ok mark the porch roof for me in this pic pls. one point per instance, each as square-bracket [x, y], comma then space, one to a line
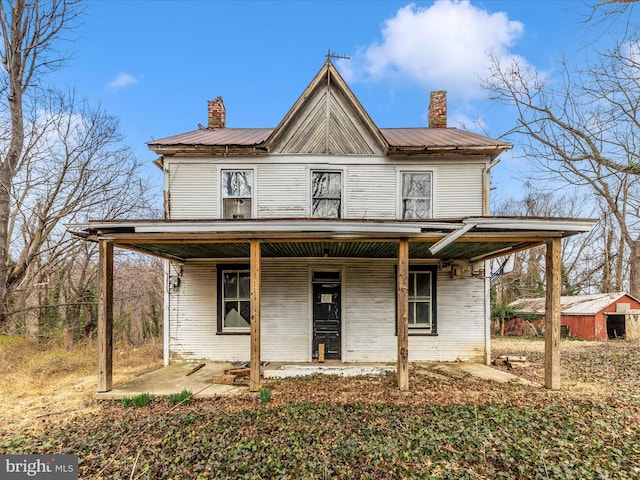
[471, 238]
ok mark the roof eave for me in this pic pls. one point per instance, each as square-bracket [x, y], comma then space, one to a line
[493, 151]
[534, 228]
[199, 149]
[567, 225]
[262, 149]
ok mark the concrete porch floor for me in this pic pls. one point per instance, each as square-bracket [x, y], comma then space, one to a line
[180, 376]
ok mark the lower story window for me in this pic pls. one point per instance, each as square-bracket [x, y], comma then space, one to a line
[234, 299]
[422, 312]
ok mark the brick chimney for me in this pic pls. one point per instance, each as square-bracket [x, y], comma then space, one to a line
[438, 109]
[217, 114]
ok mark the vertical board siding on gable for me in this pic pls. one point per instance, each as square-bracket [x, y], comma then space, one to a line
[372, 192]
[282, 190]
[193, 190]
[459, 190]
[305, 133]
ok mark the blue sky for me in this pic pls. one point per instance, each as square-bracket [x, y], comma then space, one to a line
[155, 63]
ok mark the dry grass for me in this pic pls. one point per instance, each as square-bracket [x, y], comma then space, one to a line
[588, 369]
[328, 427]
[55, 382]
[41, 380]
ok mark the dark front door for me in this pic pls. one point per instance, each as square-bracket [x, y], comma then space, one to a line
[326, 319]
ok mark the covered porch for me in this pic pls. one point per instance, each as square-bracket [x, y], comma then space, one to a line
[460, 243]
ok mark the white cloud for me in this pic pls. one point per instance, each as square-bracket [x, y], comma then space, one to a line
[122, 80]
[444, 46]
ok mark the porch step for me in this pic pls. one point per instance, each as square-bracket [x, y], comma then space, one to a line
[233, 376]
[286, 371]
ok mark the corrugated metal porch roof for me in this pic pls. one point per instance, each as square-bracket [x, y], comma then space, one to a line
[483, 238]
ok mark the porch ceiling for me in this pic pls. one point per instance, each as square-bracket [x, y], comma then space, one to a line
[473, 239]
[344, 249]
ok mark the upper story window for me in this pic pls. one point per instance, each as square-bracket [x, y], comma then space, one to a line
[416, 195]
[326, 194]
[237, 193]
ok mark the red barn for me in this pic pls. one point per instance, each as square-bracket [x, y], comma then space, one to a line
[590, 317]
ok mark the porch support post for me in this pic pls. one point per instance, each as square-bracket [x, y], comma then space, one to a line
[403, 314]
[552, 315]
[105, 317]
[254, 364]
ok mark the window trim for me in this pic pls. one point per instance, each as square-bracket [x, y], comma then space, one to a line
[418, 331]
[220, 269]
[312, 171]
[400, 184]
[253, 197]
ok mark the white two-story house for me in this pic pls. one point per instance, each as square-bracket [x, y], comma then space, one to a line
[325, 238]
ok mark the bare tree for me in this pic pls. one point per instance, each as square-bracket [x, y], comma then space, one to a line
[30, 31]
[606, 12]
[527, 279]
[581, 130]
[74, 167]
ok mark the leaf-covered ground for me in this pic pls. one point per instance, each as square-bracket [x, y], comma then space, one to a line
[324, 427]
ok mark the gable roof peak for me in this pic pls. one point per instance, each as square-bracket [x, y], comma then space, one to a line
[327, 119]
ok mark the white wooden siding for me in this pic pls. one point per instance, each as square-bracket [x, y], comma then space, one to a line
[368, 315]
[459, 190]
[193, 310]
[461, 329]
[372, 192]
[283, 190]
[284, 311]
[284, 314]
[193, 190]
[282, 185]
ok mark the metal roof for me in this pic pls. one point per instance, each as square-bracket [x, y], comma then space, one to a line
[327, 118]
[397, 138]
[438, 138]
[570, 305]
[219, 137]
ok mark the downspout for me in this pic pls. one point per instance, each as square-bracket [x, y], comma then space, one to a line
[486, 187]
[486, 211]
[487, 312]
[166, 264]
[165, 313]
[160, 163]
